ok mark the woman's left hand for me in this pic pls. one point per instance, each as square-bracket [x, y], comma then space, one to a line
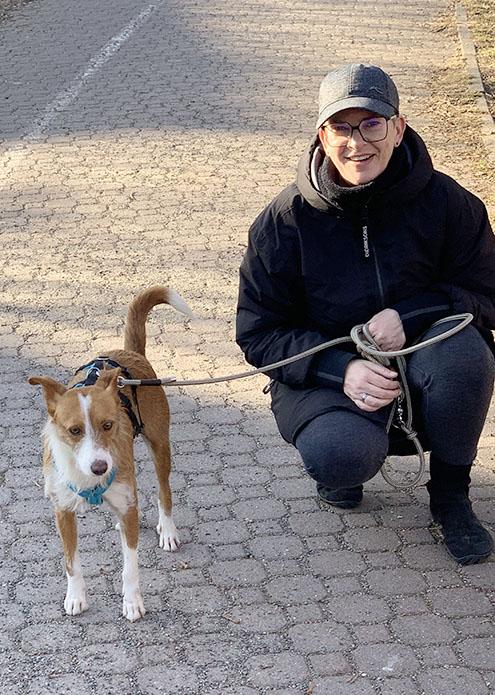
[386, 329]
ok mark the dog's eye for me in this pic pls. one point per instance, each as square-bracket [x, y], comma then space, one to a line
[107, 425]
[75, 431]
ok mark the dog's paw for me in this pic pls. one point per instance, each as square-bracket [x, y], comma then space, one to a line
[75, 604]
[168, 534]
[133, 607]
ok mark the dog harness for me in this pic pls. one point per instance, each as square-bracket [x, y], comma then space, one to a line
[94, 495]
[93, 370]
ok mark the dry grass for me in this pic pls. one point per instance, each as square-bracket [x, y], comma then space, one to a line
[481, 20]
[454, 129]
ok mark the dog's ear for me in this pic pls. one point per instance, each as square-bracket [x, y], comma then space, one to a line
[108, 379]
[52, 390]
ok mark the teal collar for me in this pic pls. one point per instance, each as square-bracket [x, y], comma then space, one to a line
[94, 495]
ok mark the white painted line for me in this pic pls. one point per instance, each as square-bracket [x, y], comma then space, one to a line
[68, 95]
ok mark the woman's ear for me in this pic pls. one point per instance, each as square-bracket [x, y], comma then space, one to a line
[400, 126]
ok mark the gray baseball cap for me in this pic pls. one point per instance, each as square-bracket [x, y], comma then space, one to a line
[357, 86]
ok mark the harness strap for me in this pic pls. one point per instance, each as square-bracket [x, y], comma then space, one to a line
[94, 495]
[93, 370]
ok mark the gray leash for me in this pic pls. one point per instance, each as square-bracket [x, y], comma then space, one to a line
[367, 347]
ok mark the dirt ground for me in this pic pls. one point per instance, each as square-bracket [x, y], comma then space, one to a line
[481, 20]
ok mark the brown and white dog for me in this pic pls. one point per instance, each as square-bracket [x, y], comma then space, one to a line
[88, 449]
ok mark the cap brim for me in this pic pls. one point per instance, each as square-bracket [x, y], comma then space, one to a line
[379, 107]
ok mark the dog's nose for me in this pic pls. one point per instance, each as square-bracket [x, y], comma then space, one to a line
[99, 467]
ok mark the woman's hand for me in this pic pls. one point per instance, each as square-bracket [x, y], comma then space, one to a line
[369, 385]
[387, 331]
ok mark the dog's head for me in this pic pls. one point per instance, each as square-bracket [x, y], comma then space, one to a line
[82, 423]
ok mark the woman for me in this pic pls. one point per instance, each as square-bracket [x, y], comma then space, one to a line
[371, 233]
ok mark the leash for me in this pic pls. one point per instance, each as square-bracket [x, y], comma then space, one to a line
[367, 347]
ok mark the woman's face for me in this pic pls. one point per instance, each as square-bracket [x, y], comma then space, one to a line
[359, 162]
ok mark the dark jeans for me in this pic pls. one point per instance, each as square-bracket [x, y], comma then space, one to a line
[451, 385]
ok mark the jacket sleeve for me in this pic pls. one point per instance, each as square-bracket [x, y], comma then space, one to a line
[469, 265]
[270, 322]
[466, 274]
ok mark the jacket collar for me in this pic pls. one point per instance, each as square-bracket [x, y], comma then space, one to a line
[407, 187]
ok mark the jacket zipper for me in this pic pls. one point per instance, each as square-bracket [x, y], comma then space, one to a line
[378, 278]
[369, 250]
[364, 232]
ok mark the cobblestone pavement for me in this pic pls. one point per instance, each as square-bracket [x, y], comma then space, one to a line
[149, 168]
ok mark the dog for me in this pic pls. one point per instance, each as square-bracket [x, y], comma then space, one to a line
[88, 449]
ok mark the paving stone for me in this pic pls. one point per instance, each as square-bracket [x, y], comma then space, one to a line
[358, 608]
[312, 638]
[264, 618]
[343, 685]
[227, 531]
[315, 523]
[293, 590]
[259, 509]
[460, 602]
[237, 572]
[49, 637]
[399, 686]
[174, 677]
[476, 626]
[390, 582]
[478, 652]
[445, 681]
[276, 669]
[389, 659]
[372, 539]
[369, 634]
[60, 685]
[424, 629]
[273, 547]
[191, 600]
[333, 664]
[437, 656]
[336, 562]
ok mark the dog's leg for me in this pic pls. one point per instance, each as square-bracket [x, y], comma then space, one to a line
[75, 599]
[132, 604]
[166, 529]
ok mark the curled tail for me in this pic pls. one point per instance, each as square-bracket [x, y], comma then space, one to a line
[135, 325]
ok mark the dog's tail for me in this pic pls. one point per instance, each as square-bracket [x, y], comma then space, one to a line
[135, 325]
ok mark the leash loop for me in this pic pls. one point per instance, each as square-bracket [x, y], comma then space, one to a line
[365, 346]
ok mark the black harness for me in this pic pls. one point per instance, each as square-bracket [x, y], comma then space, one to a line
[93, 370]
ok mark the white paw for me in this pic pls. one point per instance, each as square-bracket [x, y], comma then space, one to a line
[169, 536]
[133, 607]
[75, 604]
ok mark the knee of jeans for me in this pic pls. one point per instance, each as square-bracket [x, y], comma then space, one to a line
[343, 463]
[466, 352]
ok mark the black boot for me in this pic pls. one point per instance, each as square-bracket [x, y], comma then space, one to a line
[466, 539]
[343, 497]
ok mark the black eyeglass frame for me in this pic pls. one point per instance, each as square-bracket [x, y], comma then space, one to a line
[358, 128]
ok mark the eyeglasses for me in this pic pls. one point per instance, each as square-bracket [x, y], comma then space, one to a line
[371, 130]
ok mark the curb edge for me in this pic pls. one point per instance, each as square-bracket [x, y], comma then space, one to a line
[475, 82]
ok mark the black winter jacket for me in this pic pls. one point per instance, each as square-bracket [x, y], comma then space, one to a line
[313, 269]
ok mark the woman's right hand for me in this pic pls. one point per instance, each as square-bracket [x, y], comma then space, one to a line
[369, 385]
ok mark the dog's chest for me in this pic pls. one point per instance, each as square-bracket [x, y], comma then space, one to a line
[119, 495]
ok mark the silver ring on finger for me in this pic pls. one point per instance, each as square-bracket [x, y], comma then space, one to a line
[364, 396]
